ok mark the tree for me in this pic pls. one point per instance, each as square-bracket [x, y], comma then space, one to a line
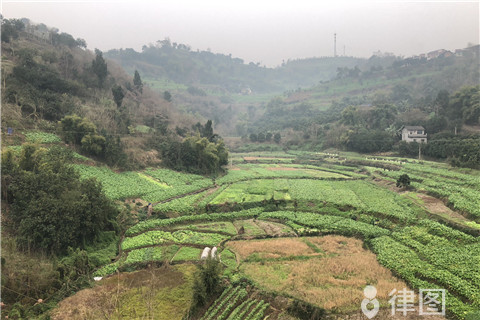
[194, 154]
[53, 209]
[261, 137]
[350, 116]
[137, 81]
[268, 136]
[10, 29]
[436, 124]
[208, 130]
[441, 102]
[74, 128]
[81, 43]
[167, 96]
[206, 281]
[277, 137]
[118, 95]
[93, 144]
[99, 67]
[403, 181]
[253, 137]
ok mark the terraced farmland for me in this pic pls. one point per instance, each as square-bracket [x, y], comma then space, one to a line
[332, 222]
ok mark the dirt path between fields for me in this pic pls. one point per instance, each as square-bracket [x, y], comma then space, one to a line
[431, 204]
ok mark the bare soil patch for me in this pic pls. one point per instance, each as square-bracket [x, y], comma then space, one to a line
[275, 229]
[332, 277]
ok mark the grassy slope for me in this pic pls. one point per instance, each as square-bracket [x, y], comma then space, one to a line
[154, 294]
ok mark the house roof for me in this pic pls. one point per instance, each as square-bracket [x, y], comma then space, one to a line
[413, 127]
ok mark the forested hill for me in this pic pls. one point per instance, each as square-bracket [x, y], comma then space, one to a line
[177, 62]
[413, 88]
[52, 83]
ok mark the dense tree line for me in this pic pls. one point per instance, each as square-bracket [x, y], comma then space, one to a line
[51, 208]
[460, 150]
[11, 29]
[83, 133]
[203, 153]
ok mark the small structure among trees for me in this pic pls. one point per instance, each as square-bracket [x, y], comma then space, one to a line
[414, 134]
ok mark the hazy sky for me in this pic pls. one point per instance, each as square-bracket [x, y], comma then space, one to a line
[263, 31]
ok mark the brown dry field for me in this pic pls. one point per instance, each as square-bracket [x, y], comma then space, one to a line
[156, 293]
[333, 279]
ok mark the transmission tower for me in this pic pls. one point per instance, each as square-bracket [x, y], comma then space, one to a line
[335, 44]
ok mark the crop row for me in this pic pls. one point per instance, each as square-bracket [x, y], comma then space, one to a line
[460, 189]
[187, 254]
[183, 205]
[174, 178]
[151, 254]
[263, 154]
[42, 137]
[470, 179]
[119, 185]
[177, 190]
[443, 231]
[232, 306]
[357, 194]
[257, 311]
[157, 223]
[220, 302]
[461, 260]
[239, 296]
[407, 264]
[152, 186]
[239, 312]
[249, 172]
[208, 198]
[164, 253]
[222, 227]
[328, 224]
[158, 237]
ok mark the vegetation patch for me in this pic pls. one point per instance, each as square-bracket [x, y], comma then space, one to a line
[223, 227]
[163, 293]
[334, 280]
[187, 254]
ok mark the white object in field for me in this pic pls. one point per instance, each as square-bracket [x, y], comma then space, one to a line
[205, 253]
[213, 253]
[97, 278]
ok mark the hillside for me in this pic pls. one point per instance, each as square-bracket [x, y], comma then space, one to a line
[48, 76]
[324, 224]
[179, 63]
[120, 200]
[247, 98]
[409, 84]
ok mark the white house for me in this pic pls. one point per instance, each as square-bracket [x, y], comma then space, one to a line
[414, 134]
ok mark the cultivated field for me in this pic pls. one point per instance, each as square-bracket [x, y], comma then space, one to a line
[318, 229]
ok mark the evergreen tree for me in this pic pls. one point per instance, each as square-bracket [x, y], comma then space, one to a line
[137, 82]
[167, 96]
[99, 67]
[118, 95]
